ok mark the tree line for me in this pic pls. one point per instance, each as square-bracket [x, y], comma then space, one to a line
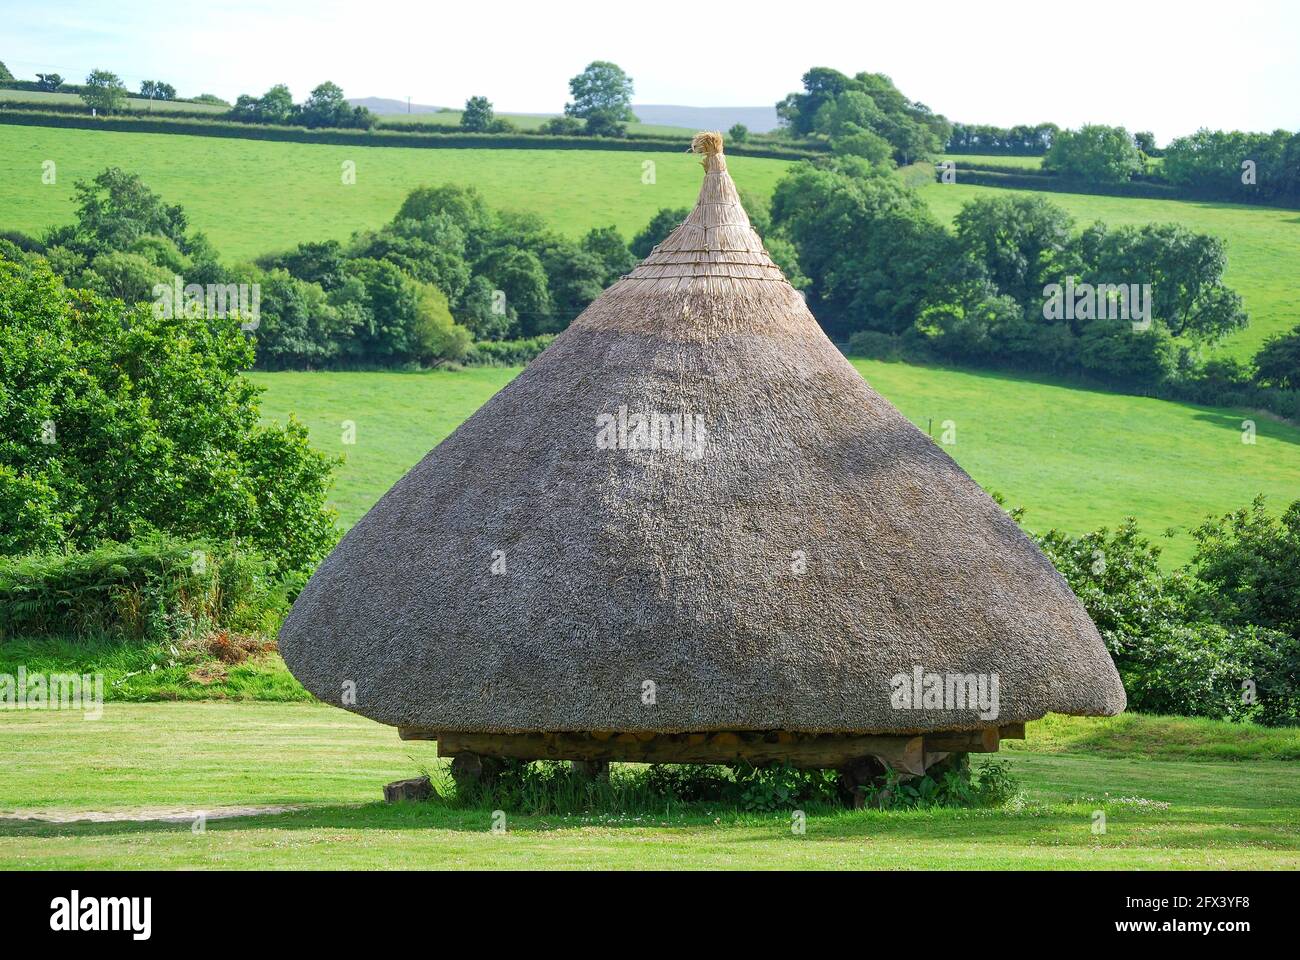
[1016, 283]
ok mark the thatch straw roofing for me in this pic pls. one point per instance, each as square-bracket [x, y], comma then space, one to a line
[774, 577]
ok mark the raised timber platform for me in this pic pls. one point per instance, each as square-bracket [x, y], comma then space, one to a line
[910, 754]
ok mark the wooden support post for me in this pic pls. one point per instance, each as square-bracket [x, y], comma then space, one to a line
[470, 770]
[971, 741]
[805, 751]
[590, 769]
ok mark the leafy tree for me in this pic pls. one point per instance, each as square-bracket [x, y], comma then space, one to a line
[49, 82]
[1247, 562]
[463, 204]
[126, 276]
[161, 252]
[1022, 242]
[1277, 364]
[157, 90]
[394, 318]
[118, 423]
[1094, 154]
[868, 242]
[104, 91]
[297, 325]
[664, 222]
[211, 98]
[1185, 270]
[326, 106]
[431, 250]
[116, 209]
[439, 339]
[482, 312]
[798, 111]
[857, 112]
[1113, 350]
[4, 72]
[607, 245]
[574, 278]
[738, 133]
[602, 96]
[562, 126]
[1215, 162]
[1146, 142]
[478, 115]
[322, 263]
[274, 106]
[518, 273]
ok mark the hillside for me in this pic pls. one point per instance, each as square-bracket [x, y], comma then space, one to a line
[1068, 455]
[254, 196]
[134, 103]
[652, 116]
[294, 194]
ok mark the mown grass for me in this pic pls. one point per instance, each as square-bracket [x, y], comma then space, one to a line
[252, 196]
[1076, 459]
[186, 758]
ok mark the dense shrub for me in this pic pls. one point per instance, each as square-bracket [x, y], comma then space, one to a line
[1095, 153]
[1216, 638]
[507, 353]
[153, 589]
[117, 422]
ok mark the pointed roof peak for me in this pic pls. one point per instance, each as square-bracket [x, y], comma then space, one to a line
[716, 239]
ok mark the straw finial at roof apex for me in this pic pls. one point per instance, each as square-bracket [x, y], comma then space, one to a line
[707, 143]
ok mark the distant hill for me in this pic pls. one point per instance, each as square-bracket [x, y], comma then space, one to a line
[758, 119]
[386, 105]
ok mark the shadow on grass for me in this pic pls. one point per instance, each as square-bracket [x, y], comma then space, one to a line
[1060, 824]
[1265, 423]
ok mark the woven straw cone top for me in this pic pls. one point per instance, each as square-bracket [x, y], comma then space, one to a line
[546, 568]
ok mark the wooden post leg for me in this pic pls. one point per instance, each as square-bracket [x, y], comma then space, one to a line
[857, 774]
[590, 769]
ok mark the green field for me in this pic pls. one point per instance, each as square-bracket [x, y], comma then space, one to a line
[1025, 163]
[1077, 459]
[252, 196]
[1162, 811]
[523, 121]
[134, 103]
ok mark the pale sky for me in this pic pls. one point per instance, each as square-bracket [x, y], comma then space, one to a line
[1169, 67]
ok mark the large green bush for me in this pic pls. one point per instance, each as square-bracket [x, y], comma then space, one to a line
[116, 422]
[1217, 638]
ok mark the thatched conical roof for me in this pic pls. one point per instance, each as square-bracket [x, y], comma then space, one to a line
[776, 568]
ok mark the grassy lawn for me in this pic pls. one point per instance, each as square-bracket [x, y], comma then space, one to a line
[252, 197]
[1263, 245]
[1077, 459]
[152, 760]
